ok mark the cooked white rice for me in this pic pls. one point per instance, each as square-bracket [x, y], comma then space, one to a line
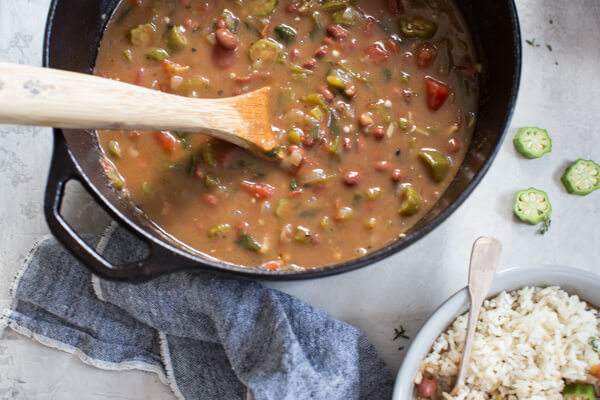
[527, 343]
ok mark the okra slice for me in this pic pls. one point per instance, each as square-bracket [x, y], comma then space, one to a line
[579, 391]
[582, 177]
[262, 7]
[411, 201]
[532, 205]
[142, 34]
[264, 51]
[532, 142]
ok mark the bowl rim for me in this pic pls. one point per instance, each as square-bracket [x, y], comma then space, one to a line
[457, 304]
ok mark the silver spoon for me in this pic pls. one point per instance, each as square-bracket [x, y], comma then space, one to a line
[482, 268]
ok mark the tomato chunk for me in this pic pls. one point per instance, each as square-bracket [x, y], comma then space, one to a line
[166, 140]
[377, 53]
[437, 92]
[258, 190]
[210, 199]
[274, 265]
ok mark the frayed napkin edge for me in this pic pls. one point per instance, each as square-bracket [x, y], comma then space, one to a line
[7, 320]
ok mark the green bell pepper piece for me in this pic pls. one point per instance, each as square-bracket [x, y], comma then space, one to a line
[315, 99]
[218, 230]
[437, 162]
[148, 189]
[175, 38]
[303, 235]
[346, 17]
[286, 33]
[247, 242]
[114, 149]
[532, 142]
[411, 201]
[417, 27]
[157, 54]
[582, 177]
[532, 205]
[579, 391]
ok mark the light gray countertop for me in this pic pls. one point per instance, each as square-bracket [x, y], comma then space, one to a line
[560, 91]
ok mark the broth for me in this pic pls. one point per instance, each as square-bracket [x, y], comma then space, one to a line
[374, 102]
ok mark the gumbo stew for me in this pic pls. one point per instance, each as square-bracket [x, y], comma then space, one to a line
[373, 102]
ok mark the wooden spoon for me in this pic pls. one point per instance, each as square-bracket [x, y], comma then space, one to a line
[50, 97]
[482, 268]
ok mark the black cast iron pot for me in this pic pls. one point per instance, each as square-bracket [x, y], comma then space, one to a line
[73, 33]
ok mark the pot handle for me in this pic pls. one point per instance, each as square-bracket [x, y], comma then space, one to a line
[62, 170]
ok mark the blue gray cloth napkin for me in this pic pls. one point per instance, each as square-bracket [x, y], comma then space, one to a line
[206, 336]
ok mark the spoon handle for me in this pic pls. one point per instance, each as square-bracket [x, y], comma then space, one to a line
[50, 97]
[63, 99]
[482, 268]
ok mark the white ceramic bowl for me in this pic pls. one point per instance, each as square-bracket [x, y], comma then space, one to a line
[573, 281]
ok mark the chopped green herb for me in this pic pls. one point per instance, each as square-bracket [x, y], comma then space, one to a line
[123, 15]
[293, 186]
[387, 74]
[311, 212]
[400, 333]
[273, 152]
[545, 226]
[532, 42]
[549, 47]
[595, 343]
[183, 136]
[356, 198]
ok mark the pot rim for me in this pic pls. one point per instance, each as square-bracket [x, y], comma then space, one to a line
[192, 262]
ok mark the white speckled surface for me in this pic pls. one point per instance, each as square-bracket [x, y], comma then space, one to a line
[404, 289]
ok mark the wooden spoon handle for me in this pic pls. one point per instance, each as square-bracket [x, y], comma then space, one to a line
[62, 99]
[482, 268]
[49, 97]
